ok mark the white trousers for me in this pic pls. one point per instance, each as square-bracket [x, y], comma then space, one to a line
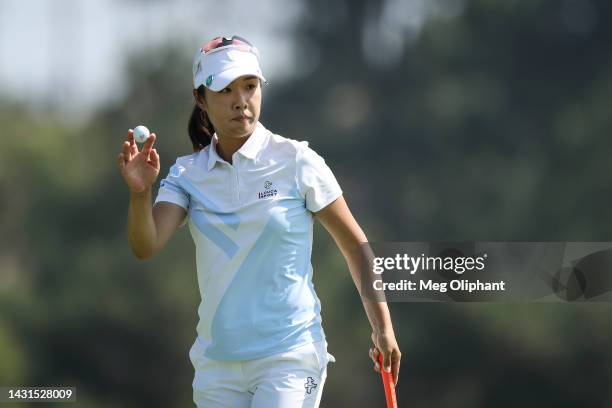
[286, 380]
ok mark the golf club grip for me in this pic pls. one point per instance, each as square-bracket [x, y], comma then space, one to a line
[388, 384]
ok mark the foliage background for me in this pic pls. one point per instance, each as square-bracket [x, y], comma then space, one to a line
[479, 120]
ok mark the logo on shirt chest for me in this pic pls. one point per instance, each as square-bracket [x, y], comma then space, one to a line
[269, 190]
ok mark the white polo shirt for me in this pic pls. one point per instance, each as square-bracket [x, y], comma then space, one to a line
[252, 222]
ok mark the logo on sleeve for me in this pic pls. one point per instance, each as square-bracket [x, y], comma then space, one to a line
[310, 385]
[269, 190]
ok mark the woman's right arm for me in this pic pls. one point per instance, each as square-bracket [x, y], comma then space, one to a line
[149, 227]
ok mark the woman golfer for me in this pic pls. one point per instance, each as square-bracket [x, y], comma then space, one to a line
[249, 197]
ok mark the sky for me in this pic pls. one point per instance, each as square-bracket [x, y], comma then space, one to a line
[72, 53]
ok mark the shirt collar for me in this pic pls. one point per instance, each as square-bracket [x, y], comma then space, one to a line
[213, 156]
[249, 149]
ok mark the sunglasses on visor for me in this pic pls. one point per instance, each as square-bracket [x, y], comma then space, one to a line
[219, 43]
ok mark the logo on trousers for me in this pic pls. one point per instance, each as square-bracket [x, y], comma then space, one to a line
[310, 385]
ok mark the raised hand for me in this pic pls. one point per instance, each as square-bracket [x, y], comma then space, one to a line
[138, 168]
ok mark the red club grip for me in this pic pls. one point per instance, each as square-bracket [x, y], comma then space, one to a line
[388, 384]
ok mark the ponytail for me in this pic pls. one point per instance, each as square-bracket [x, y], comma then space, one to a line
[200, 128]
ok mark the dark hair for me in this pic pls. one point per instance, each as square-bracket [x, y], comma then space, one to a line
[200, 128]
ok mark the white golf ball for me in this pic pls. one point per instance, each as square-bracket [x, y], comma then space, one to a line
[141, 133]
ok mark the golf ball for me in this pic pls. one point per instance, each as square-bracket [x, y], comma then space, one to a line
[141, 133]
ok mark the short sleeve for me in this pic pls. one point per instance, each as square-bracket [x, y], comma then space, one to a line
[170, 189]
[316, 182]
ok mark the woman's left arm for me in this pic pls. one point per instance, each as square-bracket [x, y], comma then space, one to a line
[340, 223]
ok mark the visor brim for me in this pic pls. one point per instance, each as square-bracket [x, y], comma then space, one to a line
[223, 79]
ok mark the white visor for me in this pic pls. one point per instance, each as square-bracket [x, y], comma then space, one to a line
[217, 68]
